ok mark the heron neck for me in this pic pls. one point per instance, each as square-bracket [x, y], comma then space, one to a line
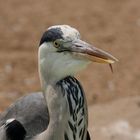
[57, 108]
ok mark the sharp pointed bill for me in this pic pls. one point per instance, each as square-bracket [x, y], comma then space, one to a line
[84, 50]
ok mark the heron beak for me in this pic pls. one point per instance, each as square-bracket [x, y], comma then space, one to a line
[85, 50]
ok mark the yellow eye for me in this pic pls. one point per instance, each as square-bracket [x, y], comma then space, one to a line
[56, 44]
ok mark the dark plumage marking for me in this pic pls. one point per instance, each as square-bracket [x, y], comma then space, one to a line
[70, 125]
[88, 136]
[83, 133]
[80, 122]
[15, 131]
[75, 97]
[80, 134]
[73, 92]
[51, 35]
[75, 129]
[70, 105]
[66, 136]
[74, 136]
[83, 112]
[74, 117]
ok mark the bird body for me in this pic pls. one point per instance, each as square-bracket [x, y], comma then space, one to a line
[72, 115]
[68, 111]
[61, 55]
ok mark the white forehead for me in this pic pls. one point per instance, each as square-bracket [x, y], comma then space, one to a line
[69, 32]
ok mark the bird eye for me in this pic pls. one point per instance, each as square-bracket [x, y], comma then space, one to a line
[56, 44]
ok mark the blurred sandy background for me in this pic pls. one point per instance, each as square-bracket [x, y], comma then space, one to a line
[113, 25]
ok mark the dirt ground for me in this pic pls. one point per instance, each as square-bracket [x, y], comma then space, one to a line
[113, 25]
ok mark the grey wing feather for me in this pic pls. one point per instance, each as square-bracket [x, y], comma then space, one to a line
[31, 111]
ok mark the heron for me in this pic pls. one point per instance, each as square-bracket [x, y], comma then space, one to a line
[59, 112]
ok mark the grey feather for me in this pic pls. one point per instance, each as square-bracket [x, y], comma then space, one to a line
[31, 111]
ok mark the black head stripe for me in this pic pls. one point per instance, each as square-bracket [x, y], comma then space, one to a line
[51, 35]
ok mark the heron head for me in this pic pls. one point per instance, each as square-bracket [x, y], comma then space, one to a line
[64, 53]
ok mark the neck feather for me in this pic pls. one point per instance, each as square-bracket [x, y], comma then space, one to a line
[58, 112]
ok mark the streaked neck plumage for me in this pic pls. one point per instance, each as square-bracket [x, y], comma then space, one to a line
[67, 110]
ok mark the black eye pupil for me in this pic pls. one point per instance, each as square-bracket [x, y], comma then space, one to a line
[56, 44]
